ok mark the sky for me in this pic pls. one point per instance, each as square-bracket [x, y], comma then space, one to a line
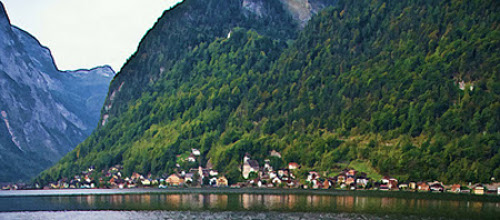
[83, 34]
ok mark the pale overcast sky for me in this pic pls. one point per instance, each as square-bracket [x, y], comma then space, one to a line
[87, 33]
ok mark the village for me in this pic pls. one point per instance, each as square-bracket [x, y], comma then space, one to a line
[255, 176]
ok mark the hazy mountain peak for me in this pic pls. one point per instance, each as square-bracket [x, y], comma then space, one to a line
[44, 112]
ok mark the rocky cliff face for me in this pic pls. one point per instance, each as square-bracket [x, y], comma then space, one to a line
[303, 10]
[45, 112]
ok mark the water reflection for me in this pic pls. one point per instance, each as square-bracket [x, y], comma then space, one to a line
[255, 202]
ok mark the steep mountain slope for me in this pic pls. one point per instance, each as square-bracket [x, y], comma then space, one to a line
[409, 88]
[192, 22]
[45, 113]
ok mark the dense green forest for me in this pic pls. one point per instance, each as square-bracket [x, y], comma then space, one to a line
[369, 80]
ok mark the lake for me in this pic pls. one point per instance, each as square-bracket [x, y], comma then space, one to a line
[242, 204]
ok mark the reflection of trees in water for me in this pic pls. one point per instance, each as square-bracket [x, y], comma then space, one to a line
[276, 202]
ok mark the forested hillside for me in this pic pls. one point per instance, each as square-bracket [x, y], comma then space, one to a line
[410, 89]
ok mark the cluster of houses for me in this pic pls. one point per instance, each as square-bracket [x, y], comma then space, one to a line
[349, 179]
[255, 175]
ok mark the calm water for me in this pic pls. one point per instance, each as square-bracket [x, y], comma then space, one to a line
[243, 204]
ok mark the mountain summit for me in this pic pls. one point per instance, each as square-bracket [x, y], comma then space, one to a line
[45, 112]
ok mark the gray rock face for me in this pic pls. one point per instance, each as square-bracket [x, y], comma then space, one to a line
[44, 112]
[303, 10]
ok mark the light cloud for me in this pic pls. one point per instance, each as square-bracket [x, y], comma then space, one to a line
[87, 33]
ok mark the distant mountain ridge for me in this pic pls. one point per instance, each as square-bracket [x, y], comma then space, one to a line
[45, 112]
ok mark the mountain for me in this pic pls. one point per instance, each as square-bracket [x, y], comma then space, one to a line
[45, 112]
[402, 88]
[190, 23]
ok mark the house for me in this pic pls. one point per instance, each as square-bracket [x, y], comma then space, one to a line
[436, 187]
[222, 182]
[282, 173]
[267, 166]
[272, 175]
[392, 183]
[423, 186]
[146, 182]
[213, 172]
[412, 185]
[492, 188]
[293, 166]
[195, 152]
[188, 177]
[249, 166]
[403, 186]
[349, 181]
[191, 158]
[384, 187]
[317, 184]
[135, 176]
[276, 181]
[255, 182]
[274, 153]
[387, 179]
[213, 181]
[455, 188]
[341, 178]
[478, 189]
[352, 173]
[175, 180]
[363, 182]
[461, 85]
[313, 175]
[327, 184]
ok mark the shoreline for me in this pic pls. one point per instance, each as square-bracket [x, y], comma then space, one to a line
[265, 191]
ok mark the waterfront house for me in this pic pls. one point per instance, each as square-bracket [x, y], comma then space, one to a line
[403, 186]
[423, 186]
[390, 181]
[222, 182]
[492, 188]
[212, 181]
[384, 187]
[436, 186]
[412, 185]
[175, 180]
[478, 189]
[146, 182]
[455, 188]
[327, 184]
